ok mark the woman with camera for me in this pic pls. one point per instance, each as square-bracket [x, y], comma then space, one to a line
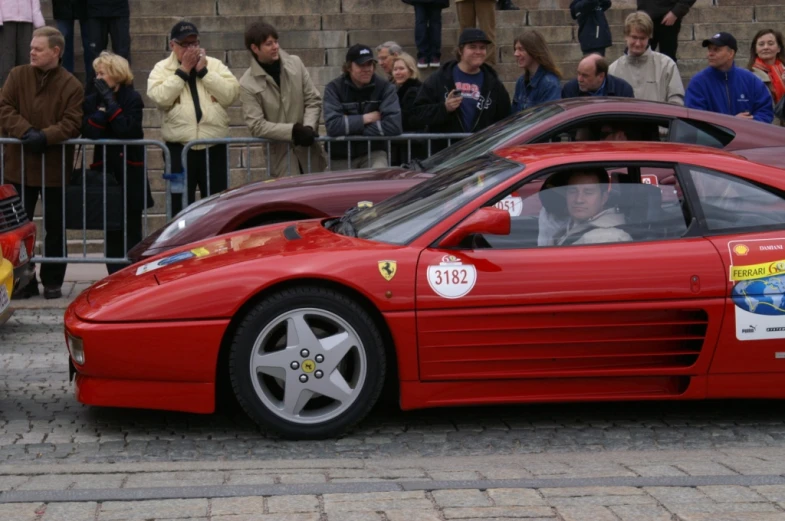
[114, 111]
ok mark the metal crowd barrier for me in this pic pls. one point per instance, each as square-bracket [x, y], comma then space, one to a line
[66, 171]
[82, 164]
[247, 143]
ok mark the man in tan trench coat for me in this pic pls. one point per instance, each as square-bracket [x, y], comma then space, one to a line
[281, 103]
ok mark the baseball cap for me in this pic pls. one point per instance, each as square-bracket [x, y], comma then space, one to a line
[359, 54]
[722, 40]
[182, 30]
[471, 35]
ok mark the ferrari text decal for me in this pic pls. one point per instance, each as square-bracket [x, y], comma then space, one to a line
[451, 278]
[758, 269]
[512, 203]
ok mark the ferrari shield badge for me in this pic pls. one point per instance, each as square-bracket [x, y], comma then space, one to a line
[388, 269]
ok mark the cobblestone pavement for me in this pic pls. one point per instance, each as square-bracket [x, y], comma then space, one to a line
[61, 460]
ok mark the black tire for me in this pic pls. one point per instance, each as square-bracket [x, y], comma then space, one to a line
[288, 300]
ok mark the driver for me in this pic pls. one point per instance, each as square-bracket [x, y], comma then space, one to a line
[589, 221]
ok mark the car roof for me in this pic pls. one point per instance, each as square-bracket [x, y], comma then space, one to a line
[532, 155]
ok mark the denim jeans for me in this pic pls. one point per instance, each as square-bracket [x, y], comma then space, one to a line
[67, 28]
[100, 30]
[428, 31]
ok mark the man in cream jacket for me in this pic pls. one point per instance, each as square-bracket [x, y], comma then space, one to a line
[193, 91]
[653, 75]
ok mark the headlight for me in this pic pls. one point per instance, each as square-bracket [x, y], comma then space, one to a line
[75, 347]
[184, 219]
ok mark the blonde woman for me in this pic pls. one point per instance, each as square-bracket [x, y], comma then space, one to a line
[407, 81]
[114, 111]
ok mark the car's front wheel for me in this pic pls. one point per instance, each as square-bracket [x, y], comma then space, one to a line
[307, 363]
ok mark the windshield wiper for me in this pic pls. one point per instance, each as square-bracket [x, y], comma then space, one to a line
[343, 225]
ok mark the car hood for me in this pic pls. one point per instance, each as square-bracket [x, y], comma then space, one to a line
[212, 278]
[314, 195]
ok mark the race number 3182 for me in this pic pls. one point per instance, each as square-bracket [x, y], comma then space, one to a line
[451, 278]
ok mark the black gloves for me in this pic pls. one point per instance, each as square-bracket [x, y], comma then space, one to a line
[104, 92]
[303, 136]
[34, 141]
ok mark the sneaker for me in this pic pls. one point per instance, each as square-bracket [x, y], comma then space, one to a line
[435, 63]
[422, 63]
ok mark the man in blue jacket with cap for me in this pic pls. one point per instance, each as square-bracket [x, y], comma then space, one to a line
[724, 88]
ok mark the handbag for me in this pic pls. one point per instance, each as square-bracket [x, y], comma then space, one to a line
[779, 109]
[84, 201]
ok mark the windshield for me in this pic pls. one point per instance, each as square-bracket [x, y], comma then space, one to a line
[488, 139]
[402, 218]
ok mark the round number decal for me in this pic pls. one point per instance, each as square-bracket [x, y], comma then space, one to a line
[451, 278]
[512, 204]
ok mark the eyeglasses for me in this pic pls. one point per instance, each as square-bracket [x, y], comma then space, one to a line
[187, 45]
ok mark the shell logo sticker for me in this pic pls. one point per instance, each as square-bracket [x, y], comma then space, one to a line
[388, 269]
[308, 366]
[741, 249]
[451, 278]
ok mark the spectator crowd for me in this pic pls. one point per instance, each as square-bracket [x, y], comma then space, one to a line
[378, 94]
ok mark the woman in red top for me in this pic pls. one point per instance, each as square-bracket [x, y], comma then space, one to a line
[767, 61]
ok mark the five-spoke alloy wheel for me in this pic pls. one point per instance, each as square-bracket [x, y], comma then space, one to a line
[307, 363]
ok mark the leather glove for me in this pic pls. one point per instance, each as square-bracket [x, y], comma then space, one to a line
[302, 135]
[34, 141]
[104, 92]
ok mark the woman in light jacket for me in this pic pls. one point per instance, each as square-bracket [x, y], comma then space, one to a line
[18, 18]
[541, 78]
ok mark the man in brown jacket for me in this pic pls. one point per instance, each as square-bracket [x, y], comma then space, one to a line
[41, 104]
[281, 103]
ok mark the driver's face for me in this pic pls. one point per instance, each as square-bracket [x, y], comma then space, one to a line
[585, 197]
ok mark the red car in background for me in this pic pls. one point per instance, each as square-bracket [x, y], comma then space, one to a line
[459, 302]
[17, 235]
[328, 194]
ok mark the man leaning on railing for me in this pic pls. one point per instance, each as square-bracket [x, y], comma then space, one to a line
[281, 103]
[41, 104]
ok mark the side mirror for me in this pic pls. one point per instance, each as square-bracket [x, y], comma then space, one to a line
[485, 220]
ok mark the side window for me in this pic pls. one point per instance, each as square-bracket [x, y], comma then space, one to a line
[729, 202]
[593, 205]
[699, 133]
[609, 129]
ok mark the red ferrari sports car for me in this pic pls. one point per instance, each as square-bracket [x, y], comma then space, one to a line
[17, 236]
[324, 195]
[614, 271]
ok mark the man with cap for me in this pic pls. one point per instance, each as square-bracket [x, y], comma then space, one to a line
[482, 14]
[193, 91]
[465, 94]
[360, 103]
[724, 88]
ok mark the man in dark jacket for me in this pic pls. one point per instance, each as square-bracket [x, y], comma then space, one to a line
[593, 80]
[667, 15]
[464, 95]
[105, 19]
[41, 104]
[360, 103]
[594, 33]
[726, 89]
[65, 13]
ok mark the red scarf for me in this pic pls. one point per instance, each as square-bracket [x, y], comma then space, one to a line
[776, 74]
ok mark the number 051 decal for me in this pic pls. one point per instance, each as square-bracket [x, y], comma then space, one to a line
[451, 278]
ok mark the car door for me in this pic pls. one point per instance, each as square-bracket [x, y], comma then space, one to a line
[638, 317]
[746, 224]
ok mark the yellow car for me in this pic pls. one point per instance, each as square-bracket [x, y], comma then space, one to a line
[6, 287]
